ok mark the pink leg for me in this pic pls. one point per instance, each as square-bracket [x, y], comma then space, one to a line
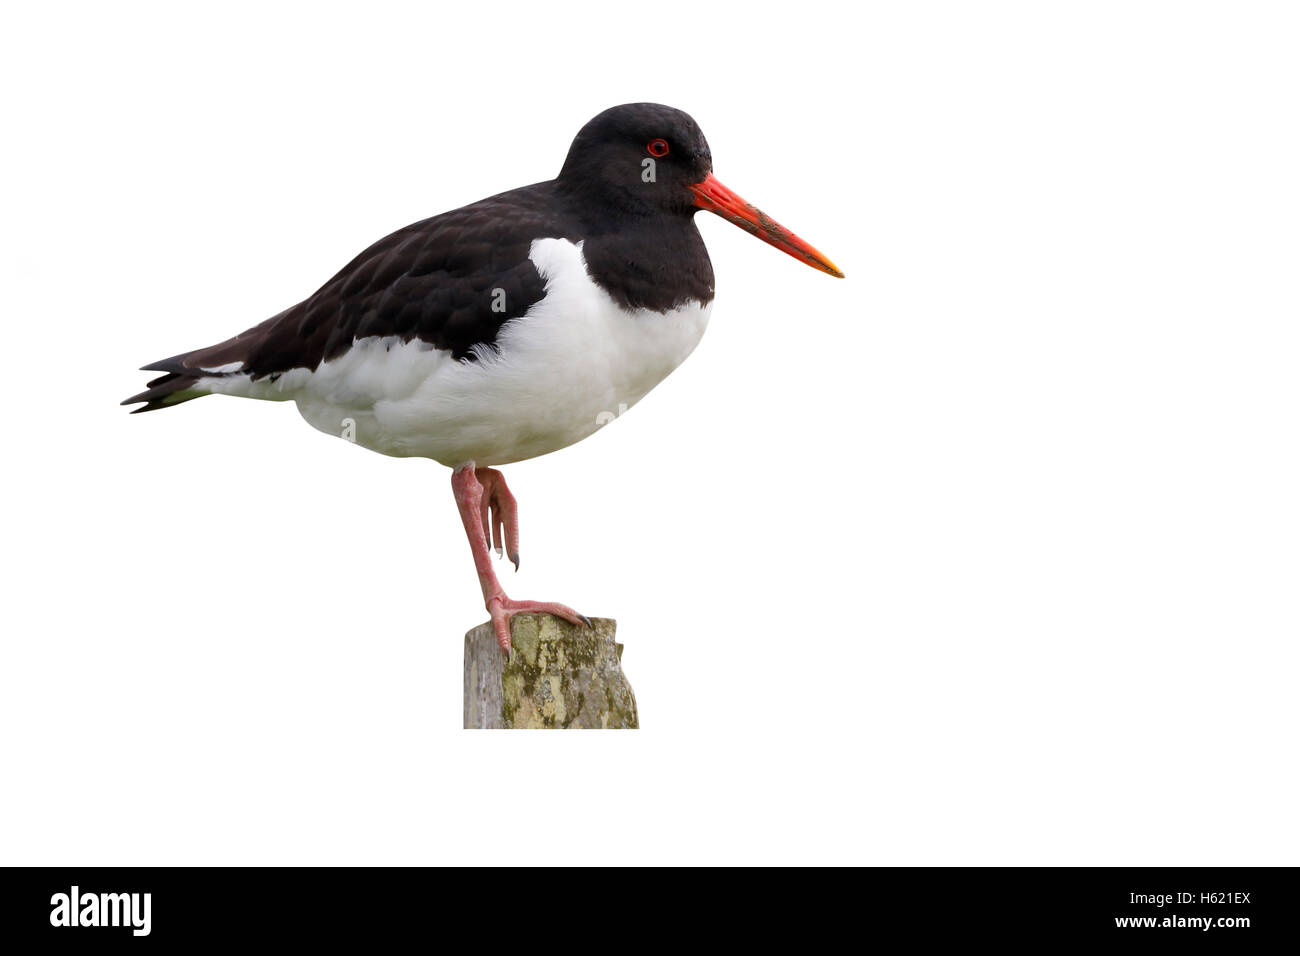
[478, 510]
[500, 513]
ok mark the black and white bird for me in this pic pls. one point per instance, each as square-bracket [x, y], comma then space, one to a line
[506, 329]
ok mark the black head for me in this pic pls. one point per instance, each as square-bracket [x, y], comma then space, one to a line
[640, 158]
[646, 160]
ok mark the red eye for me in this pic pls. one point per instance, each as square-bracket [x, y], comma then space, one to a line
[657, 147]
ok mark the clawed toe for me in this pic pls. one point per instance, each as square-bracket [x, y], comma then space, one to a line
[499, 513]
[503, 609]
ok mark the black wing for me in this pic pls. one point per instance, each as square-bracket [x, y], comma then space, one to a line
[452, 281]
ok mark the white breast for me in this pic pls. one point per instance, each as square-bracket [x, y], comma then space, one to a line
[558, 374]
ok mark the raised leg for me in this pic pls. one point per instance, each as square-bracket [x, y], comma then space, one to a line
[484, 515]
[500, 513]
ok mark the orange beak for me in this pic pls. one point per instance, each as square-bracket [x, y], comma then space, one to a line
[717, 198]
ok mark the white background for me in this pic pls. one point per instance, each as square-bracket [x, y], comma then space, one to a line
[985, 554]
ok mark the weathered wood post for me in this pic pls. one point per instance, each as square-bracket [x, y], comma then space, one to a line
[559, 675]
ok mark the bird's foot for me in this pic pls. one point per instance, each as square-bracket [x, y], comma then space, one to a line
[500, 513]
[503, 609]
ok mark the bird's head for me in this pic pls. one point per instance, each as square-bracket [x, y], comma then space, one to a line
[645, 159]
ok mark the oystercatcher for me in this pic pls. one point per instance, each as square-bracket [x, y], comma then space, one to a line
[506, 329]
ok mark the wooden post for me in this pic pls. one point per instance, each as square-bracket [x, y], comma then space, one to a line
[559, 675]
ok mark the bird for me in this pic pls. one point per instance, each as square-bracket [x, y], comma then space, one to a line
[506, 329]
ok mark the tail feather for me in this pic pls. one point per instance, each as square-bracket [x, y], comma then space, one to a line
[166, 391]
[187, 374]
[174, 364]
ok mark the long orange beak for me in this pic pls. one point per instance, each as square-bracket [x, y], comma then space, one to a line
[717, 198]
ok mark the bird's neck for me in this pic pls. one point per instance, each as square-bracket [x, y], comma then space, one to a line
[654, 261]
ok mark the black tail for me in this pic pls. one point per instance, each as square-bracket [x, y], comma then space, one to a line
[186, 373]
[177, 386]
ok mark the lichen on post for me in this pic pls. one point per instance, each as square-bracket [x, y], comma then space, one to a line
[559, 676]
